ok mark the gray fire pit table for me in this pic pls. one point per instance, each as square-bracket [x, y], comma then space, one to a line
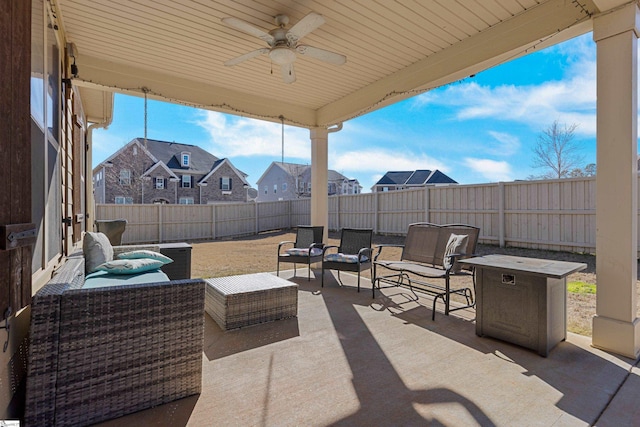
[238, 301]
[522, 300]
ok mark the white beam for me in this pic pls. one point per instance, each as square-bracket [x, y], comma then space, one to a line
[319, 178]
[616, 327]
[115, 77]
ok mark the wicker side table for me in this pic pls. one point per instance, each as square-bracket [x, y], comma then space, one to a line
[238, 301]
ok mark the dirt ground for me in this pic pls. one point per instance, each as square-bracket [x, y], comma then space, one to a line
[255, 254]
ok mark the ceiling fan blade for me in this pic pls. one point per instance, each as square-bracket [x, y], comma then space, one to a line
[246, 56]
[288, 73]
[304, 26]
[322, 55]
[241, 25]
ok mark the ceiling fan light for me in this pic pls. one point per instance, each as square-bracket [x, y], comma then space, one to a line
[282, 55]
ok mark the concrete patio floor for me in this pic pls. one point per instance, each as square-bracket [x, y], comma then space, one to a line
[351, 360]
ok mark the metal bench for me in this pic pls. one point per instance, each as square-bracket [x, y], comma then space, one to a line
[429, 252]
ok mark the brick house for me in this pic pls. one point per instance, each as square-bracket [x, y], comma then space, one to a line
[167, 172]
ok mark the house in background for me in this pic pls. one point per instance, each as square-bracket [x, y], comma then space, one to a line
[288, 181]
[402, 180]
[167, 172]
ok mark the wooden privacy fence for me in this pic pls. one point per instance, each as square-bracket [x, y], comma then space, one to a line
[550, 214]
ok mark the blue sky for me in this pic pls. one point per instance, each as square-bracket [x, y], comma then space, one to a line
[477, 130]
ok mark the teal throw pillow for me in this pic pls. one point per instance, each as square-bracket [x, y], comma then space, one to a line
[144, 253]
[130, 266]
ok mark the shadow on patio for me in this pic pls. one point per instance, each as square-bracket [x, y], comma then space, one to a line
[350, 360]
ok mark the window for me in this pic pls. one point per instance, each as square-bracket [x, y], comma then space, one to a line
[160, 183]
[121, 200]
[186, 201]
[135, 150]
[275, 188]
[186, 181]
[225, 183]
[309, 187]
[184, 159]
[125, 177]
[284, 187]
[266, 189]
[385, 188]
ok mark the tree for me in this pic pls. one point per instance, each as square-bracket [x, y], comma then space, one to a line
[558, 152]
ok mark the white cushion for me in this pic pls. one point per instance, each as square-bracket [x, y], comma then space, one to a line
[457, 244]
[97, 250]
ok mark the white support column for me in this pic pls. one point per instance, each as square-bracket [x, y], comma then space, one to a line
[319, 180]
[616, 326]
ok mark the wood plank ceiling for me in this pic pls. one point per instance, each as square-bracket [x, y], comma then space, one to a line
[394, 49]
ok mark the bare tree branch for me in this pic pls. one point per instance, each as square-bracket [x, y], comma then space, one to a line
[558, 152]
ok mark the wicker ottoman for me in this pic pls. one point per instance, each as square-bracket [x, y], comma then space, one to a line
[238, 301]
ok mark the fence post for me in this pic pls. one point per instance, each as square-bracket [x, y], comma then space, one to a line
[213, 221]
[256, 212]
[426, 204]
[501, 218]
[159, 222]
[338, 212]
[375, 212]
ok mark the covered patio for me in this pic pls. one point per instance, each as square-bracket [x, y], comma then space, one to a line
[346, 359]
[176, 51]
[353, 361]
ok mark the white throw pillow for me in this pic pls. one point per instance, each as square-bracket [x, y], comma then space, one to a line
[457, 244]
[97, 250]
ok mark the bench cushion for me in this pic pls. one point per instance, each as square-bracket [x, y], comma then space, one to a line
[102, 279]
[340, 257]
[303, 251]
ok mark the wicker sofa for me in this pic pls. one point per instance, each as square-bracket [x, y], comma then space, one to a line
[100, 353]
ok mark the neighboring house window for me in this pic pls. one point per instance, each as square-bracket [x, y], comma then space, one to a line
[186, 181]
[186, 200]
[184, 159]
[309, 187]
[135, 150]
[284, 187]
[225, 183]
[125, 177]
[160, 183]
[275, 188]
[121, 200]
[385, 188]
[266, 189]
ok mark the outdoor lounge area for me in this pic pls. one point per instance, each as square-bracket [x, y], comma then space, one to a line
[349, 360]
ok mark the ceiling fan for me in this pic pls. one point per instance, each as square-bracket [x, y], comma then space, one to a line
[283, 44]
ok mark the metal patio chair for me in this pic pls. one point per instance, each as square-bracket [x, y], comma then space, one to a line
[353, 254]
[307, 249]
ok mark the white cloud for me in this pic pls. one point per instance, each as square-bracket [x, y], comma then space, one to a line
[378, 159]
[503, 144]
[569, 100]
[243, 137]
[490, 169]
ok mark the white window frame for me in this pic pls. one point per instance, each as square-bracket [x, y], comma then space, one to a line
[123, 200]
[187, 183]
[266, 189]
[275, 188]
[185, 160]
[284, 187]
[125, 177]
[185, 201]
[225, 186]
[159, 184]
